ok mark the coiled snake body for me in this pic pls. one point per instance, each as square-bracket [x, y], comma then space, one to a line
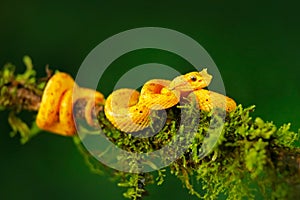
[56, 108]
[127, 109]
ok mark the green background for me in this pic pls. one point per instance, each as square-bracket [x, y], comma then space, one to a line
[254, 44]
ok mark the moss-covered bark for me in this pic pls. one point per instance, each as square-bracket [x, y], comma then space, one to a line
[251, 158]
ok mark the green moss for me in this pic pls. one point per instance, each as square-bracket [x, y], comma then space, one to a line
[251, 157]
[12, 99]
[240, 166]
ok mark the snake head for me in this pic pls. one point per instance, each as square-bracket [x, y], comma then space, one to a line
[191, 81]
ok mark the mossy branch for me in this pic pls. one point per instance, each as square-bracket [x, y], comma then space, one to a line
[252, 157]
[21, 92]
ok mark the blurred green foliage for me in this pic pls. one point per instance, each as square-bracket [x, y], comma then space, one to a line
[254, 44]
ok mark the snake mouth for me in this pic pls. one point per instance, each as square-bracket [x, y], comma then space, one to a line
[180, 85]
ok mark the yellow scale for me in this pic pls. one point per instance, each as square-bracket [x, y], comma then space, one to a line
[127, 109]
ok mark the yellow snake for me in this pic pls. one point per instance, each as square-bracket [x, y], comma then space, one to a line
[56, 109]
[127, 109]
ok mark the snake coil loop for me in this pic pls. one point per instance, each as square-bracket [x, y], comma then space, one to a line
[56, 109]
[127, 109]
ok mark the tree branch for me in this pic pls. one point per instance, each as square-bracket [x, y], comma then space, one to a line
[248, 150]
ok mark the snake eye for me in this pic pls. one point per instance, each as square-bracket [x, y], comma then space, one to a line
[193, 78]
